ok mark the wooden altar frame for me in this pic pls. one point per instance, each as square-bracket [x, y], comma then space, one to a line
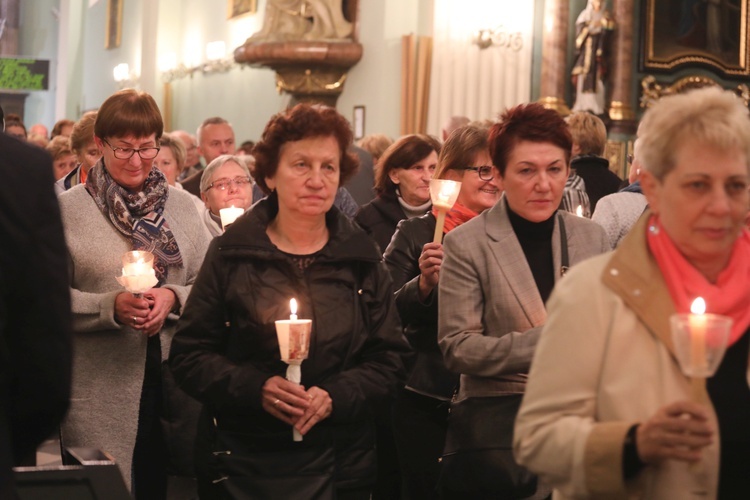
[665, 49]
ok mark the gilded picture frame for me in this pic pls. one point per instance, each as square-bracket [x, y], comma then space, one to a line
[113, 36]
[238, 8]
[690, 33]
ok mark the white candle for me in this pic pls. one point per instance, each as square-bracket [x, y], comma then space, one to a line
[293, 309]
[137, 268]
[137, 263]
[579, 211]
[229, 215]
[697, 323]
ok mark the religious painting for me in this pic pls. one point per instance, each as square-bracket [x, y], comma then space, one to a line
[237, 8]
[689, 33]
[113, 36]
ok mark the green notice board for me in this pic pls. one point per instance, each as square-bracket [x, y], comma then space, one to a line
[24, 74]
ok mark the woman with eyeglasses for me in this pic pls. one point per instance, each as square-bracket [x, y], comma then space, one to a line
[421, 410]
[121, 339]
[225, 183]
[498, 271]
[402, 186]
[294, 244]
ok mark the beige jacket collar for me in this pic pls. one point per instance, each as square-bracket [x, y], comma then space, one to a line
[633, 274]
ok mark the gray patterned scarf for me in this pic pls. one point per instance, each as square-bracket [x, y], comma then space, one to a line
[138, 215]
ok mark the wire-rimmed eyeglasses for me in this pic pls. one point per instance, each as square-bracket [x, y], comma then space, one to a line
[223, 184]
[486, 172]
[127, 153]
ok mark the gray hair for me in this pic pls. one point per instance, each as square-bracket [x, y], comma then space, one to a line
[214, 120]
[218, 162]
[709, 116]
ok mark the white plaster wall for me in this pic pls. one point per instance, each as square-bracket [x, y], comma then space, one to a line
[40, 43]
[245, 96]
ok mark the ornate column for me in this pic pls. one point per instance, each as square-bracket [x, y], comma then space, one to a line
[555, 55]
[621, 106]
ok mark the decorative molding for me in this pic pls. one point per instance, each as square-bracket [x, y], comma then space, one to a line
[310, 81]
[556, 103]
[619, 111]
[652, 91]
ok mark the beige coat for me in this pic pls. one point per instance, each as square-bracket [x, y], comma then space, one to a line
[604, 362]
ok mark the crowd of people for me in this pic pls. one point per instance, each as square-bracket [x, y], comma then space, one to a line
[520, 357]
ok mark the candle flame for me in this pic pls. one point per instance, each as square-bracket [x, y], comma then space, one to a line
[698, 306]
[579, 211]
[293, 306]
[446, 190]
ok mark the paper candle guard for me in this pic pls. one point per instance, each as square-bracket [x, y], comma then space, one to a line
[294, 347]
[138, 273]
[229, 215]
[443, 194]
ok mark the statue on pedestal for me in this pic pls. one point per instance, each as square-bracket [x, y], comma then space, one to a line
[594, 27]
[303, 20]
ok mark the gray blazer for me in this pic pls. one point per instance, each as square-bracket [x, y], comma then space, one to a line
[490, 311]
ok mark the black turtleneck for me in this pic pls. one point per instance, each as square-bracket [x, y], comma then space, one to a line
[536, 242]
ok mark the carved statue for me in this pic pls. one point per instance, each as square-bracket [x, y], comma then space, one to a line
[593, 29]
[297, 20]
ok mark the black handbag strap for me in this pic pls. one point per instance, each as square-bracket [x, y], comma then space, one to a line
[564, 259]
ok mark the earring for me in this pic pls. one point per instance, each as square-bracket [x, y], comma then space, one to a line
[653, 229]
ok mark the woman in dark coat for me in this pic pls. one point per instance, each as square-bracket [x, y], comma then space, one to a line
[402, 185]
[421, 411]
[293, 244]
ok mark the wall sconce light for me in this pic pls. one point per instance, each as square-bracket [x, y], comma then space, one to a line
[124, 77]
[498, 37]
[216, 62]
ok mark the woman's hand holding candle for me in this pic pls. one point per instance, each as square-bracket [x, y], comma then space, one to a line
[285, 400]
[321, 406]
[429, 268]
[677, 431]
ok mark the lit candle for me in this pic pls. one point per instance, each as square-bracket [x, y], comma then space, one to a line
[137, 263]
[293, 309]
[579, 211]
[229, 215]
[697, 324]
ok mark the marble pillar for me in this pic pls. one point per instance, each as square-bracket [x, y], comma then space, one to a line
[555, 55]
[621, 97]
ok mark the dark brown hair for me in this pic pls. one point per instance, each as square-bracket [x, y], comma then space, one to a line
[301, 122]
[129, 112]
[403, 153]
[527, 122]
[59, 125]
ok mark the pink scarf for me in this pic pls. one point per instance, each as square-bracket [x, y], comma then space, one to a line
[729, 296]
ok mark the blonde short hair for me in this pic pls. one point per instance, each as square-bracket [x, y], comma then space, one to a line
[709, 116]
[588, 132]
